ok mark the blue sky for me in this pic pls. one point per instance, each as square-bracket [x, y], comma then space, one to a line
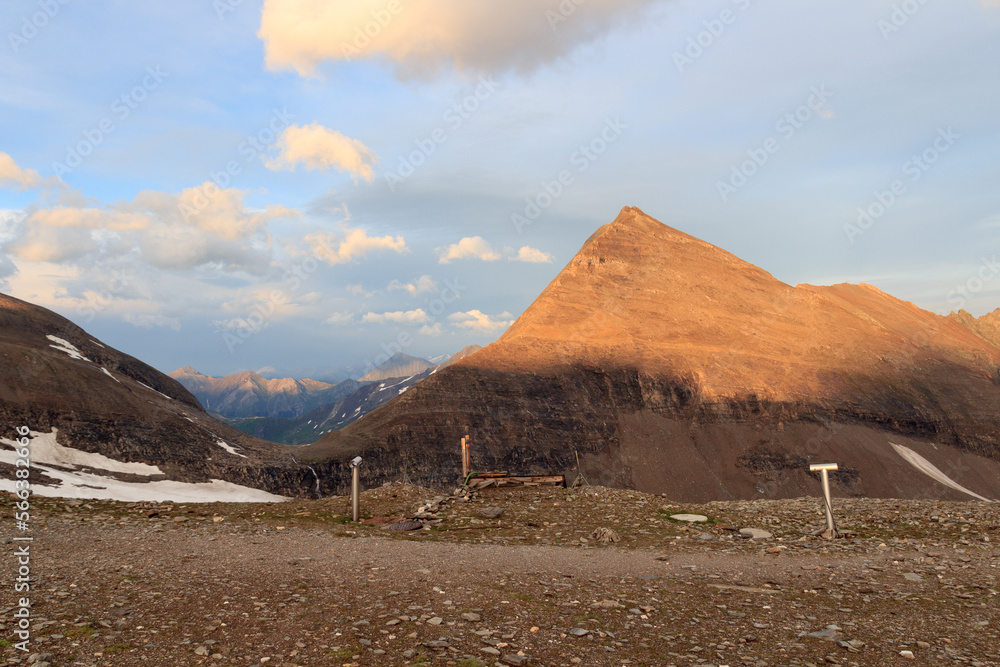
[263, 188]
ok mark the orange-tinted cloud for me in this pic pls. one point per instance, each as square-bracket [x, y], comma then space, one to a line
[13, 176]
[423, 36]
[320, 149]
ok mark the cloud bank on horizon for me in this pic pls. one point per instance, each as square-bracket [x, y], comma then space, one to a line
[303, 185]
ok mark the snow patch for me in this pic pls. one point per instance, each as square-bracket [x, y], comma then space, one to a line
[151, 389]
[229, 448]
[932, 471]
[45, 449]
[86, 486]
[95, 343]
[67, 347]
[91, 486]
[110, 375]
[402, 390]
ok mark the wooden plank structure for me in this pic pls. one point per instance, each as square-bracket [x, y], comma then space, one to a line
[486, 480]
[482, 480]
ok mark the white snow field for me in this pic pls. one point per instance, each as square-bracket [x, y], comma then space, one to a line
[93, 486]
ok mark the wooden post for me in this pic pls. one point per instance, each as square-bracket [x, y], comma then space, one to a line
[465, 460]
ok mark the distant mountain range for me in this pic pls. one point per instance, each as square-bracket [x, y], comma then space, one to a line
[346, 410]
[295, 412]
[250, 395]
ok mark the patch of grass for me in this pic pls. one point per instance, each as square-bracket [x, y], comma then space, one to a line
[6, 643]
[345, 652]
[471, 662]
[82, 631]
[117, 648]
[523, 596]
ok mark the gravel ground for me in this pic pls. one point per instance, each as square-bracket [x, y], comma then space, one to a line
[542, 584]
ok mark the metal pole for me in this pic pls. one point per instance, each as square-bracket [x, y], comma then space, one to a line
[356, 489]
[356, 494]
[829, 507]
[824, 471]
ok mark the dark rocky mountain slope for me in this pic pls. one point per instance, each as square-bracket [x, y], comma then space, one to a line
[96, 410]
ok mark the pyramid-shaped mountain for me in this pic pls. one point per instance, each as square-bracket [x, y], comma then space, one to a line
[669, 365]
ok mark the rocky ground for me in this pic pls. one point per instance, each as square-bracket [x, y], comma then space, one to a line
[591, 576]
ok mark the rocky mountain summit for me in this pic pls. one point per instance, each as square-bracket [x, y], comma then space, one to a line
[666, 364]
[397, 366]
[986, 327]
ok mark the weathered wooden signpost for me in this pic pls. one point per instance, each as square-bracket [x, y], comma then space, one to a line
[466, 458]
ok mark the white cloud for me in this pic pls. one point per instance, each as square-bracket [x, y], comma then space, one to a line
[479, 321]
[355, 243]
[399, 316]
[13, 176]
[7, 269]
[340, 318]
[149, 261]
[421, 37]
[359, 290]
[474, 247]
[531, 255]
[431, 330]
[195, 227]
[44, 244]
[320, 149]
[419, 286]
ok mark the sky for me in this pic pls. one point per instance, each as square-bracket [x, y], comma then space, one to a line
[298, 186]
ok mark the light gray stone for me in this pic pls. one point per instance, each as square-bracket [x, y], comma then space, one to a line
[755, 534]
